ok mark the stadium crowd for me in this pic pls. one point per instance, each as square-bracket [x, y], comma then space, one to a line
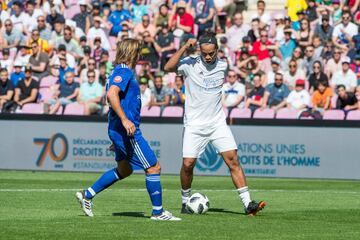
[56, 55]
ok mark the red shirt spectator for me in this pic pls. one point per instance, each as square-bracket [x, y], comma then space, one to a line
[185, 19]
[260, 46]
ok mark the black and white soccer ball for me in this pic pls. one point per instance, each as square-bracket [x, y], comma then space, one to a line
[198, 203]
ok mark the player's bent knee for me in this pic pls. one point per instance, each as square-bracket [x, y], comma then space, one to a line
[189, 164]
[156, 169]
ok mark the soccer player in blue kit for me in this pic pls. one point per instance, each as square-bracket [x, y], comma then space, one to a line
[131, 149]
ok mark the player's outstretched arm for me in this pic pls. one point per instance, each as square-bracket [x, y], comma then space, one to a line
[171, 65]
[114, 100]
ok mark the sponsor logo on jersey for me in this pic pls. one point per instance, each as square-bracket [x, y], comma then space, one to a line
[117, 79]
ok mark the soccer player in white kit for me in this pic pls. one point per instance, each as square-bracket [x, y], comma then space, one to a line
[204, 119]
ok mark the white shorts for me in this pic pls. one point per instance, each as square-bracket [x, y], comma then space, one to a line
[195, 140]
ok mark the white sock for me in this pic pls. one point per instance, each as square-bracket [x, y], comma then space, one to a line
[185, 195]
[244, 195]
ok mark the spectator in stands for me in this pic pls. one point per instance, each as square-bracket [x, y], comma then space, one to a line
[91, 93]
[102, 74]
[43, 44]
[277, 32]
[54, 18]
[256, 96]
[237, 32]
[264, 17]
[254, 32]
[84, 61]
[57, 33]
[204, 12]
[298, 98]
[96, 32]
[6, 61]
[346, 101]
[23, 55]
[97, 50]
[276, 93]
[318, 47]
[17, 74]
[105, 58]
[12, 36]
[44, 31]
[227, 7]
[345, 76]
[164, 45]
[61, 52]
[317, 76]
[275, 68]
[33, 14]
[39, 62]
[178, 92]
[309, 60]
[148, 51]
[324, 30]
[333, 64]
[160, 94]
[4, 15]
[6, 90]
[261, 49]
[26, 91]
[321, 99]
[288, 45]
[293, 74]
[182, 22]
[145, 92]
[144, 26]
[64, 68]
[344, 31]
[304, 35]
[355, 67]
[71, 44]
[19, 17]
[118, 18]
[293, 7]
[82, 18]
[233, 92]
[162, 17]
[297, 56]
[91, 66]
[67, 92]
[138, 9]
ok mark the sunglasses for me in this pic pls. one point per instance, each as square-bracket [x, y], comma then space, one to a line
[231, 76]
[7, 25]
[41, 20]
[91, 76]
[292, 66]
[91, 63]
[316, 67]
[309, 50]
[337, 52]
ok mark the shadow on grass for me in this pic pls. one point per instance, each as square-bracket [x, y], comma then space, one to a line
[221, 210]
[130, 214]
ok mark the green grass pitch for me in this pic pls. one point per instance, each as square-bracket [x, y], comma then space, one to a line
[41, 205]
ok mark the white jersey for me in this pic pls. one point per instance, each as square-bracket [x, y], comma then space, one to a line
[203, 85]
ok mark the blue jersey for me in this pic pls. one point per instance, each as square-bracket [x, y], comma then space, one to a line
[130, 99]
[116, 18]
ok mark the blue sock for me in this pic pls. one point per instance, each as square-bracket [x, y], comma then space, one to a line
[153, 186]
[105, 181]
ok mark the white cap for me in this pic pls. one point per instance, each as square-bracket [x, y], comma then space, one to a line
[82, 2]
[345, 59]
[17, 63]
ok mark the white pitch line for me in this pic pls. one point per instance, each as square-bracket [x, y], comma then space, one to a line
[170, 190]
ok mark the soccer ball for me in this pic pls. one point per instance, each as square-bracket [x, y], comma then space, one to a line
[198, 203]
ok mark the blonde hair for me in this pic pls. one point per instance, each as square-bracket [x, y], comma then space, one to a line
[128, 52]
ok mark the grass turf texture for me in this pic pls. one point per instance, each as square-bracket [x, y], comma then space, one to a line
[297, 209]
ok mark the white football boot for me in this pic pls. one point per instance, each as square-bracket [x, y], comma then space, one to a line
[86, 204]
[165, 216]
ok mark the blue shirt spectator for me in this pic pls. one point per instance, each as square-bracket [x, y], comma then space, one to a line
[277, 93]
[117, 17]
[64, 68]
[202, 10]
[17, 75]
[138, 10]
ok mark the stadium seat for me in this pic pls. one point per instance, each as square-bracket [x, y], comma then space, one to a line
[334, 115]
[33, 108]
[353, 115]
[150, 112]
[285, 113]
[265, 113]
[173, 111]
[60, 110]
[74, 109]
[48, 81]
[45, 94]
[240, 113]
[333, 101]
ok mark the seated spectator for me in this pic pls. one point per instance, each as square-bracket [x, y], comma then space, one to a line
[44, 31]
[54, 17]
[105, 58]
[91, 93]
[64, 68]
[182, 22]
[138, 9]
[96, 32]
[288, 46]
[237, 32]
[144, 26]
[43, 44]
[84, 61]
[304, 35]
[263, 16]
[275, 68]
[317, 76]
[297, 56]
[33, 14]
[61, 52]
[256, 96]
[6, 90]
[254, 32]
[12, 36]
[148, 51]
[346, 101]
[293, 74]
[118, 18]
[66, 93]
[26, 91]
[160, 94]
[39, 62]
[102, 74]
[309, 60]
[233, 92]
[324, 30]
[298, 98]
[19, 17]
[333, 64]
[321, 99]
[345, 76]
[18, 74]
[6, 61]
[276, 93]
[261, 49]
[178, 92]
[318, 46]
[97, 50]
[162, 17]
[57, 33]
[71, 44]
[225, 6]
[145, 92]
[82, 18]
[344, 31]
[355, 67]
[164, 45]
[23, 56]
[91, 66]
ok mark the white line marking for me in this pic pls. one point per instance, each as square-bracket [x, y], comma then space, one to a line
[172, 190]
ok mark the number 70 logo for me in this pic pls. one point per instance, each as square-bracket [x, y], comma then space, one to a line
[48, 148]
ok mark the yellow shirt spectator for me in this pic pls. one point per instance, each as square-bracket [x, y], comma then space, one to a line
[295, 6]
[43, 45]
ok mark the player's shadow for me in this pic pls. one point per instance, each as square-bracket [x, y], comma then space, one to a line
[129, 214]
[221, 210]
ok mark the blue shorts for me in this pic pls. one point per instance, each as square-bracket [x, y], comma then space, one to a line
[134, 149]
